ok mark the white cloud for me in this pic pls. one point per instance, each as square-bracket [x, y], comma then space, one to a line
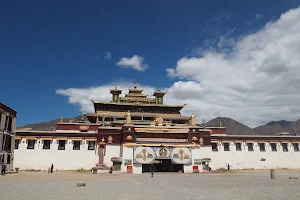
[107, 55]
[136, 62]
[83, 96]
[255, 82]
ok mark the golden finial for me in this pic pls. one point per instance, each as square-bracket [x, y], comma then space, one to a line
[220, 123]
[193, 120]
[135, 86]
[82, 117]
[62, 119]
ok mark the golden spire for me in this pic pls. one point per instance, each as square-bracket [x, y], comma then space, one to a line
[220, 123]
[62, 119]
[128, 118]
[82, 117]
[193, 120]
[135, 86]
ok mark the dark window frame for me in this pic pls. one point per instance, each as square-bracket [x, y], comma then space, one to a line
[285, 147]
[46, 147]
[226, 146]
[30, 147]
[76, 147]
[296, 145]
[262, 147]
[214, 145]
[250, 146]
[91, 147]
[17, 143]
[60, 146]
[273, 145]
[238, 147]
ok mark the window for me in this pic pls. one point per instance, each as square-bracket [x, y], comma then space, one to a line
[61, 144]
[91, 145]
[214, 147]
[17, 142]
[250, 146]
[226, 146]
[76, 145]
[30, 144]
[46, 144]
[117, 166]
[238, 146]
[274, 146]
[296, 146]
[285, 147]
[8, 158]
[262, 147]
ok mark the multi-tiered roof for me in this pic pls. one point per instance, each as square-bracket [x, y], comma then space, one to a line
[143, 109]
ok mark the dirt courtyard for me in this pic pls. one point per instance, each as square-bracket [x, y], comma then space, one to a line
[235, 185]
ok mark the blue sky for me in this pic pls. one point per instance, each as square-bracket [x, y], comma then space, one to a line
[50, 45]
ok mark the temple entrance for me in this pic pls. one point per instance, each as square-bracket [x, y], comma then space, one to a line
[163, 165]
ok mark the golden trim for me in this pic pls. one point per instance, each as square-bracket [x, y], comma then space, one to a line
[91, 139]
[273, 142]
[31, 138]
[166, 145]
[226, 141]
[61, 138]
[18, 138]
[47, 138]
[76, 139]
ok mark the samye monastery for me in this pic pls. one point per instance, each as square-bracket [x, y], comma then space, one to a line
[131, 132]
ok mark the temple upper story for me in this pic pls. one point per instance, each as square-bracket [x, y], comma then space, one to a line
[143, 109]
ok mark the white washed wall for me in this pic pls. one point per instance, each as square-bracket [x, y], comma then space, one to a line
[250, 159]
[111, 151]
[68, 159]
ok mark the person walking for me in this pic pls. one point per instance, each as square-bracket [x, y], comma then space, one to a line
[51, 169]
[152, 169]
[3, 169]
[228, 167]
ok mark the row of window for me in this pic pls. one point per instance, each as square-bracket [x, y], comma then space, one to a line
[61, 144]
[262, 146]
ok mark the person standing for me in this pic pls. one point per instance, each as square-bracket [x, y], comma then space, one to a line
[3, 168]
[228, 167]
[152, 169]
[51, 169]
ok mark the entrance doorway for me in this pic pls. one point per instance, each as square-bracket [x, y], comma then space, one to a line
[163, 165]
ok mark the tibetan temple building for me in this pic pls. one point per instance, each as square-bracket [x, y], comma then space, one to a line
[133, 131]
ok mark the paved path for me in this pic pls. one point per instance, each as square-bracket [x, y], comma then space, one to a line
[167, 186]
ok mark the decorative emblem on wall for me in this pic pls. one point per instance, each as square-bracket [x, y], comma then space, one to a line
[110, 139]
[143, 155]
[194, 138]
[102, 139]
[84, 128]
[163, 152]
[181, 155]
[194, 130]
[129, 129]
[129, 137]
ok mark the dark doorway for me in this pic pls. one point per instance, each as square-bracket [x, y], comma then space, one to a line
[163, 165]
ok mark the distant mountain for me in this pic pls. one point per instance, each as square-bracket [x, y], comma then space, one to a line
[47, 126]
[276, 127]
[232, 127]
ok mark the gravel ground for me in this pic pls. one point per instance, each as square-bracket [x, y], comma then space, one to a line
[168, 186]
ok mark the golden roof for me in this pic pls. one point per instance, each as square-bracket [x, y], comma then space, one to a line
[137, 114]
[134, 104]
